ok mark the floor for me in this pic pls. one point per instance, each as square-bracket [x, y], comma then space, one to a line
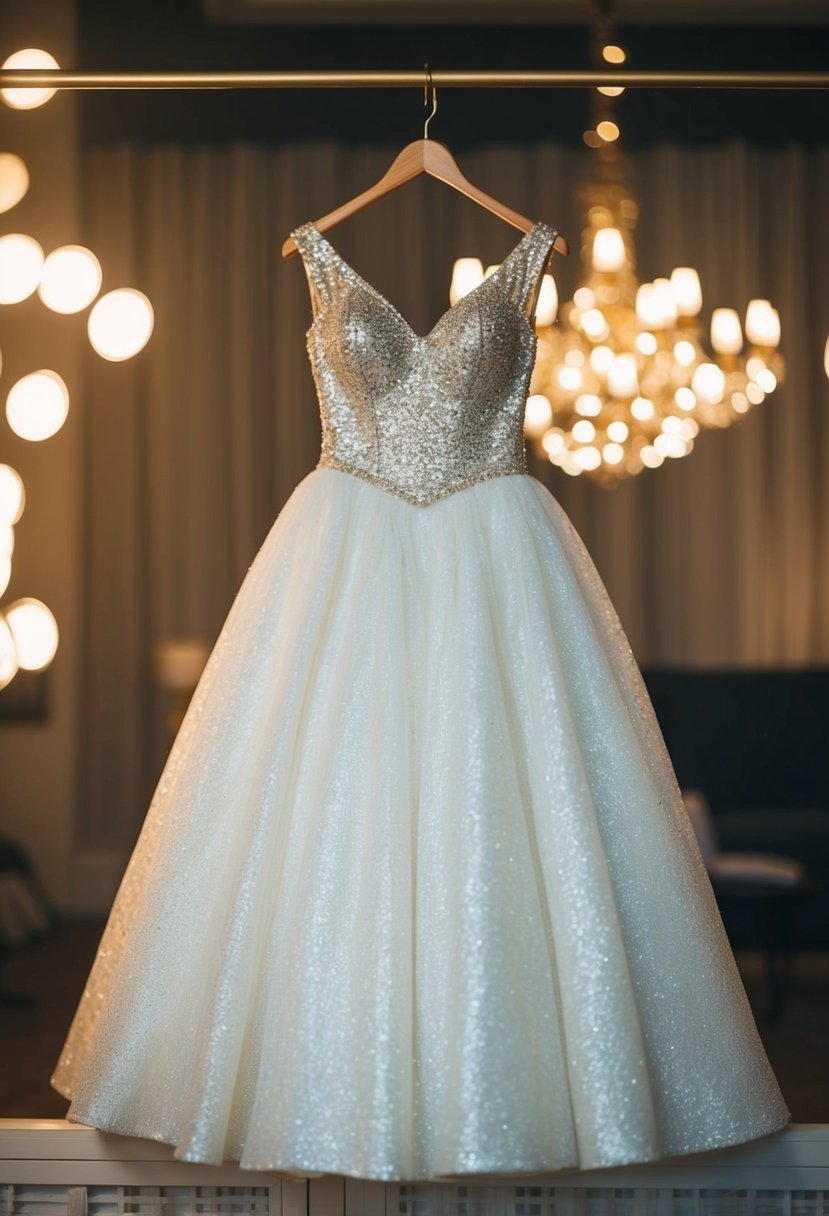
[40, 987]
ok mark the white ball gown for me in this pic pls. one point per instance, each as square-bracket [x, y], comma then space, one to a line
[417, 896]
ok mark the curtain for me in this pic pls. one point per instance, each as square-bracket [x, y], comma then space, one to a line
[192, 448]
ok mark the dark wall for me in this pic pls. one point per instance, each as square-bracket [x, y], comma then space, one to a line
[158, 34]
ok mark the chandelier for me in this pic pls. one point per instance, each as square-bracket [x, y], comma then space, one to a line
[622, 380]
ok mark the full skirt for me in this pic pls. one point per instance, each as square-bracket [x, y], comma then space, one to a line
[417, 895]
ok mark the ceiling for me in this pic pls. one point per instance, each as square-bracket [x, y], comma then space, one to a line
[535, 12]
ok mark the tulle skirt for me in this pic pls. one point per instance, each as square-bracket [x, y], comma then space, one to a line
[416, 896]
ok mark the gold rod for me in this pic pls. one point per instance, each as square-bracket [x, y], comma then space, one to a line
[65, 78]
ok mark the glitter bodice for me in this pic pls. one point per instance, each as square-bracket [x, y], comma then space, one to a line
[423, 415]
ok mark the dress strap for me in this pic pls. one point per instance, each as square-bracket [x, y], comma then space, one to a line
[320, 267]
[537, 254]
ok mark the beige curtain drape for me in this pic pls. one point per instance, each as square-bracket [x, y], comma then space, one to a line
[192, 448]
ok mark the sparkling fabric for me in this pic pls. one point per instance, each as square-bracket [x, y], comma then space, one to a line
[416, 895]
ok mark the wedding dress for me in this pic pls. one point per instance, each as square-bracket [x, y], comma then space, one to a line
[416, 895]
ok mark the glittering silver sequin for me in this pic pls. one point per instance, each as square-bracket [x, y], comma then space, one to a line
[422, 415]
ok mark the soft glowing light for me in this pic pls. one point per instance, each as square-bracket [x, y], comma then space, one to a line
[37, 405]
[607, 130]
[8, 654]
[12, 495]
[622, 379]
[613, 53]
[613, 453]
[740, 403]
[641, 409]
[587, 458]
[491, 269]
[553, 441]
[588, 405]
[29, 99]
[672, 425]
[646, 343]
[35, 633]
[547, 307]
[538, 415]
[21, 263]
[708, 383]
[684, 353]
[584, 431]
[608, 250]
[754, 393]
[726, 332]
[685, 398]
[664, 302]
[670, 445]
[570, 378]
[647, 307]
[601, 358]
[618, 431]
[686, 291]
[5, 576]
[70, 280]
[584, 298]
[755, 366]
[467, 274]
[650, 458]
[14, 180]
[767, 380]
[762, 323]
[593, 323]
[120, 324]
[610, 90]
[6, 538]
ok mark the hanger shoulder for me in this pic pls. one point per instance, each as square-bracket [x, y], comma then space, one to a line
[434, 158]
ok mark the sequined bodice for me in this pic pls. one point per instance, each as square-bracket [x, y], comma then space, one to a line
[422, 415]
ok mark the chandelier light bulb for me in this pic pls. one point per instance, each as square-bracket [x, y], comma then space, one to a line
[21, 263]
[467, 274]
[12, 495]
[587, 458]
[71, 279]
[8, 653]
[613, 453]
[29, 99]
[608, 250]
[726, 332]
[708, 384]
[584, 431]
[552, 441]
[35, 633]
[588, 405]
[14, 180]
[37, 405]
[686, 291]
[613, 54]
[120, 324]
[684, 353]
[647, 307]
[641, 409]
[622, 379]
[762, 324]
[547, 307]
[6, 538]
[618, 431]
[608, 131]
[664, 303]
[601, 358]
[538, 414]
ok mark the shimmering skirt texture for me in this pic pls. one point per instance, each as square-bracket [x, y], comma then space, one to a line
[417, 896]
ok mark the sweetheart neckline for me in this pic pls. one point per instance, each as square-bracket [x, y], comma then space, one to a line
[393, 308]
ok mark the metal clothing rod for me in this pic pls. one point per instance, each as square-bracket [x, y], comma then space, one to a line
[64, 78]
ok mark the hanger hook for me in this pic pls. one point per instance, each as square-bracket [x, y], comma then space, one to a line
[426, 87]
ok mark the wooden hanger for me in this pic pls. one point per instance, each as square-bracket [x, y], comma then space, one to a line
[423, 156]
